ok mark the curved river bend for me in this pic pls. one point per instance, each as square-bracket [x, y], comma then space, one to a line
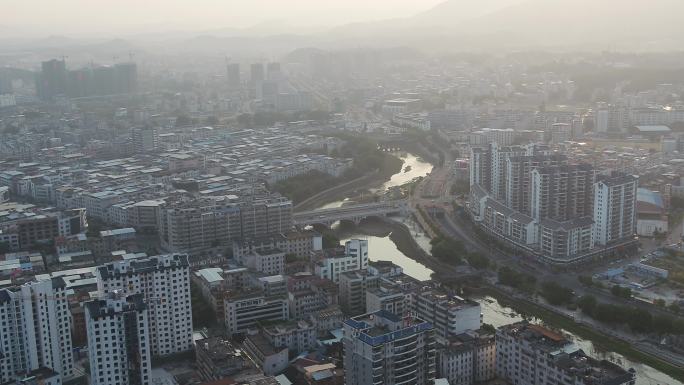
[383, 248]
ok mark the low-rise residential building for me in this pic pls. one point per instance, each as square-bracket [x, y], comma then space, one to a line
[353, 287]
[243, 309]
[332, 263]
[530, 354]
[272, 360]
[218, 358]
[308, 294]
[327, 319]
[297, 336]
[468, 358]
[451, 315]
[268, 261]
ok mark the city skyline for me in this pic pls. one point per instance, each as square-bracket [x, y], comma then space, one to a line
[278, 192]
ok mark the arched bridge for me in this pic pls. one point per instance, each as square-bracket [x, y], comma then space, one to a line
[354, 213]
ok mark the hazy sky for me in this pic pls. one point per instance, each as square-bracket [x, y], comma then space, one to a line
[120, 16]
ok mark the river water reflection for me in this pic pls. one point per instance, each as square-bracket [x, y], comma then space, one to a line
[381, 247]
[497, 315]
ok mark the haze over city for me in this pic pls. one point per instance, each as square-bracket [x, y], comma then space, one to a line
[278, 192]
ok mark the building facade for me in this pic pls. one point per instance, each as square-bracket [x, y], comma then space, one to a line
[36, 330]
[119, 340]
[244, 309]
[532, 354]
[382, 348]
[164, 282]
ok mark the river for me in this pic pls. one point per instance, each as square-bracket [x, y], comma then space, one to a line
[498, 315]
[381, 247]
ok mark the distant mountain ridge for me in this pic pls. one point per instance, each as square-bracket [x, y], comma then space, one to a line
[453, 25]
[604, 24]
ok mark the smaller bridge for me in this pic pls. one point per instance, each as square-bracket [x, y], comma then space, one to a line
[354, 213]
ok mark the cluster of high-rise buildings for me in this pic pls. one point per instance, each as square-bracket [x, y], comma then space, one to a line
[544, 204]
[141, 310]
[269, 86]
[56, 80]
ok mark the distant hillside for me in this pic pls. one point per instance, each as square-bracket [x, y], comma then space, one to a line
[576, 24]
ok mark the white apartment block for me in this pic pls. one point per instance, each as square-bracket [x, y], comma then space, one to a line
[36, 330]
[387, 297]
[297, 336]
[450, 315]
[299, 243]
[118, 340]
[355, 257]
[164, 282]
[467, 359]
[615, 208]
[270, 262]
[244, 309]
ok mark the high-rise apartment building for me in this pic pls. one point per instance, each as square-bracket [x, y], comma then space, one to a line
[144, 139]
[531, 354]
[518, 178]
[119, 340]
[383, 348]
[199, 224]
[52, 80]
[562, 192]
[36, 330]
[164, 282]
[273, 72]
[614, 208]
[233, 75]
[547, 207]
[55, 79]
[256, 73]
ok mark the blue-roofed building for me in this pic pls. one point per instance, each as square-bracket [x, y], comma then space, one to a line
[651, 213]
[651, 197]
[383, 348]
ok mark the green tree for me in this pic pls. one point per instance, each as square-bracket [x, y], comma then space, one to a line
[202, 314]
[330, 240]
[622, 292]
[447, 249]
[488, 328]
[556, 294]
[585, 280]
[640, 321]
[477, 260]
[587, 303]
[663, 324]
[605, 313]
